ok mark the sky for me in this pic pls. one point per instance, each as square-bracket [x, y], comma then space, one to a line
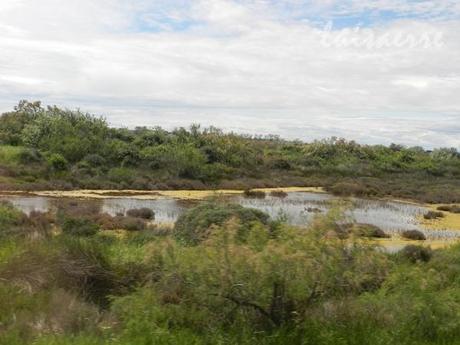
[374, 71]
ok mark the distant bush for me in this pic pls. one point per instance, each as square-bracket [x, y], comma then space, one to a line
[256, 194]
[414, 235]
[144, 213]
[348, 189]
[417, 253]
[120, 222]
[369, 230]
[433, 215]
[278, 194]
[449, 208]
[120, 175]
[192, 226]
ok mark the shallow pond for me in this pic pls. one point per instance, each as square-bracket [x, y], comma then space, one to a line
[298, 208]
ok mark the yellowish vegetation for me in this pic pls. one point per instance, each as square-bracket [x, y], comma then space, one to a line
[158, 194]
[397, 242]
[450, 220]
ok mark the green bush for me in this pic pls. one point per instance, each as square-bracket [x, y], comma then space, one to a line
[193, 226]
[57, 162]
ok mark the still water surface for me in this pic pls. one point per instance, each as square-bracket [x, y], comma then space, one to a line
[298, 208]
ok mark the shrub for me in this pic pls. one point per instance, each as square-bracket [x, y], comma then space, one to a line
[94, 160]
[10, 219]
[120, 175]
[278, 194]
[57, 162]
[130, 223]
[83, 266]
[79, 226]
[144, 213]
[192, 227]
[28, 156]
[9, 215]
[348, 189]
[449, 208]
[414, 235]
[258, 194]
[369, 230]
[433, 215]
[417, 253]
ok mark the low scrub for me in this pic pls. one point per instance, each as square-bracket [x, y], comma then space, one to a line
[194, 225]
[144, 213]
[79, 226]
[433, 215]
[449, 208]
[278, 194]
[369, 230]
[414, 235]
[416, 253]
[255, 194]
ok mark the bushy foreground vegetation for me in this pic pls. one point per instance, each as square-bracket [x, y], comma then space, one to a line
[248, 280]
[52, 148]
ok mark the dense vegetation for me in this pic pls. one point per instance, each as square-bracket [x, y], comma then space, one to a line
[52, 148]
[277, 284]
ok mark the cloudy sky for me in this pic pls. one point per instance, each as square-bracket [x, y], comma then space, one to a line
[377, 71]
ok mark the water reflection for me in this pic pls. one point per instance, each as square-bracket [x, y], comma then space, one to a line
[298, 207]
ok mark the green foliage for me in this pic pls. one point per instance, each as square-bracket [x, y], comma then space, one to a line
[57, 162]
[79, 227]
[194, 225]
[10, 155]
[301, 286]
[10, 217]
[144, 158]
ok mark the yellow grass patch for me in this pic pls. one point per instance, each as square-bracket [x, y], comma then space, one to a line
[157, 194]
[400, 242]
[450, 220]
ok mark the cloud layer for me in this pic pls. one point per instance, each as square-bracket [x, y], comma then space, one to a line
[250, 66]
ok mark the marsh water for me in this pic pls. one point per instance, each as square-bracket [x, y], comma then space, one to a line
[298, 208]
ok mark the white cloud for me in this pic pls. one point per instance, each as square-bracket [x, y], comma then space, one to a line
[235, 65]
